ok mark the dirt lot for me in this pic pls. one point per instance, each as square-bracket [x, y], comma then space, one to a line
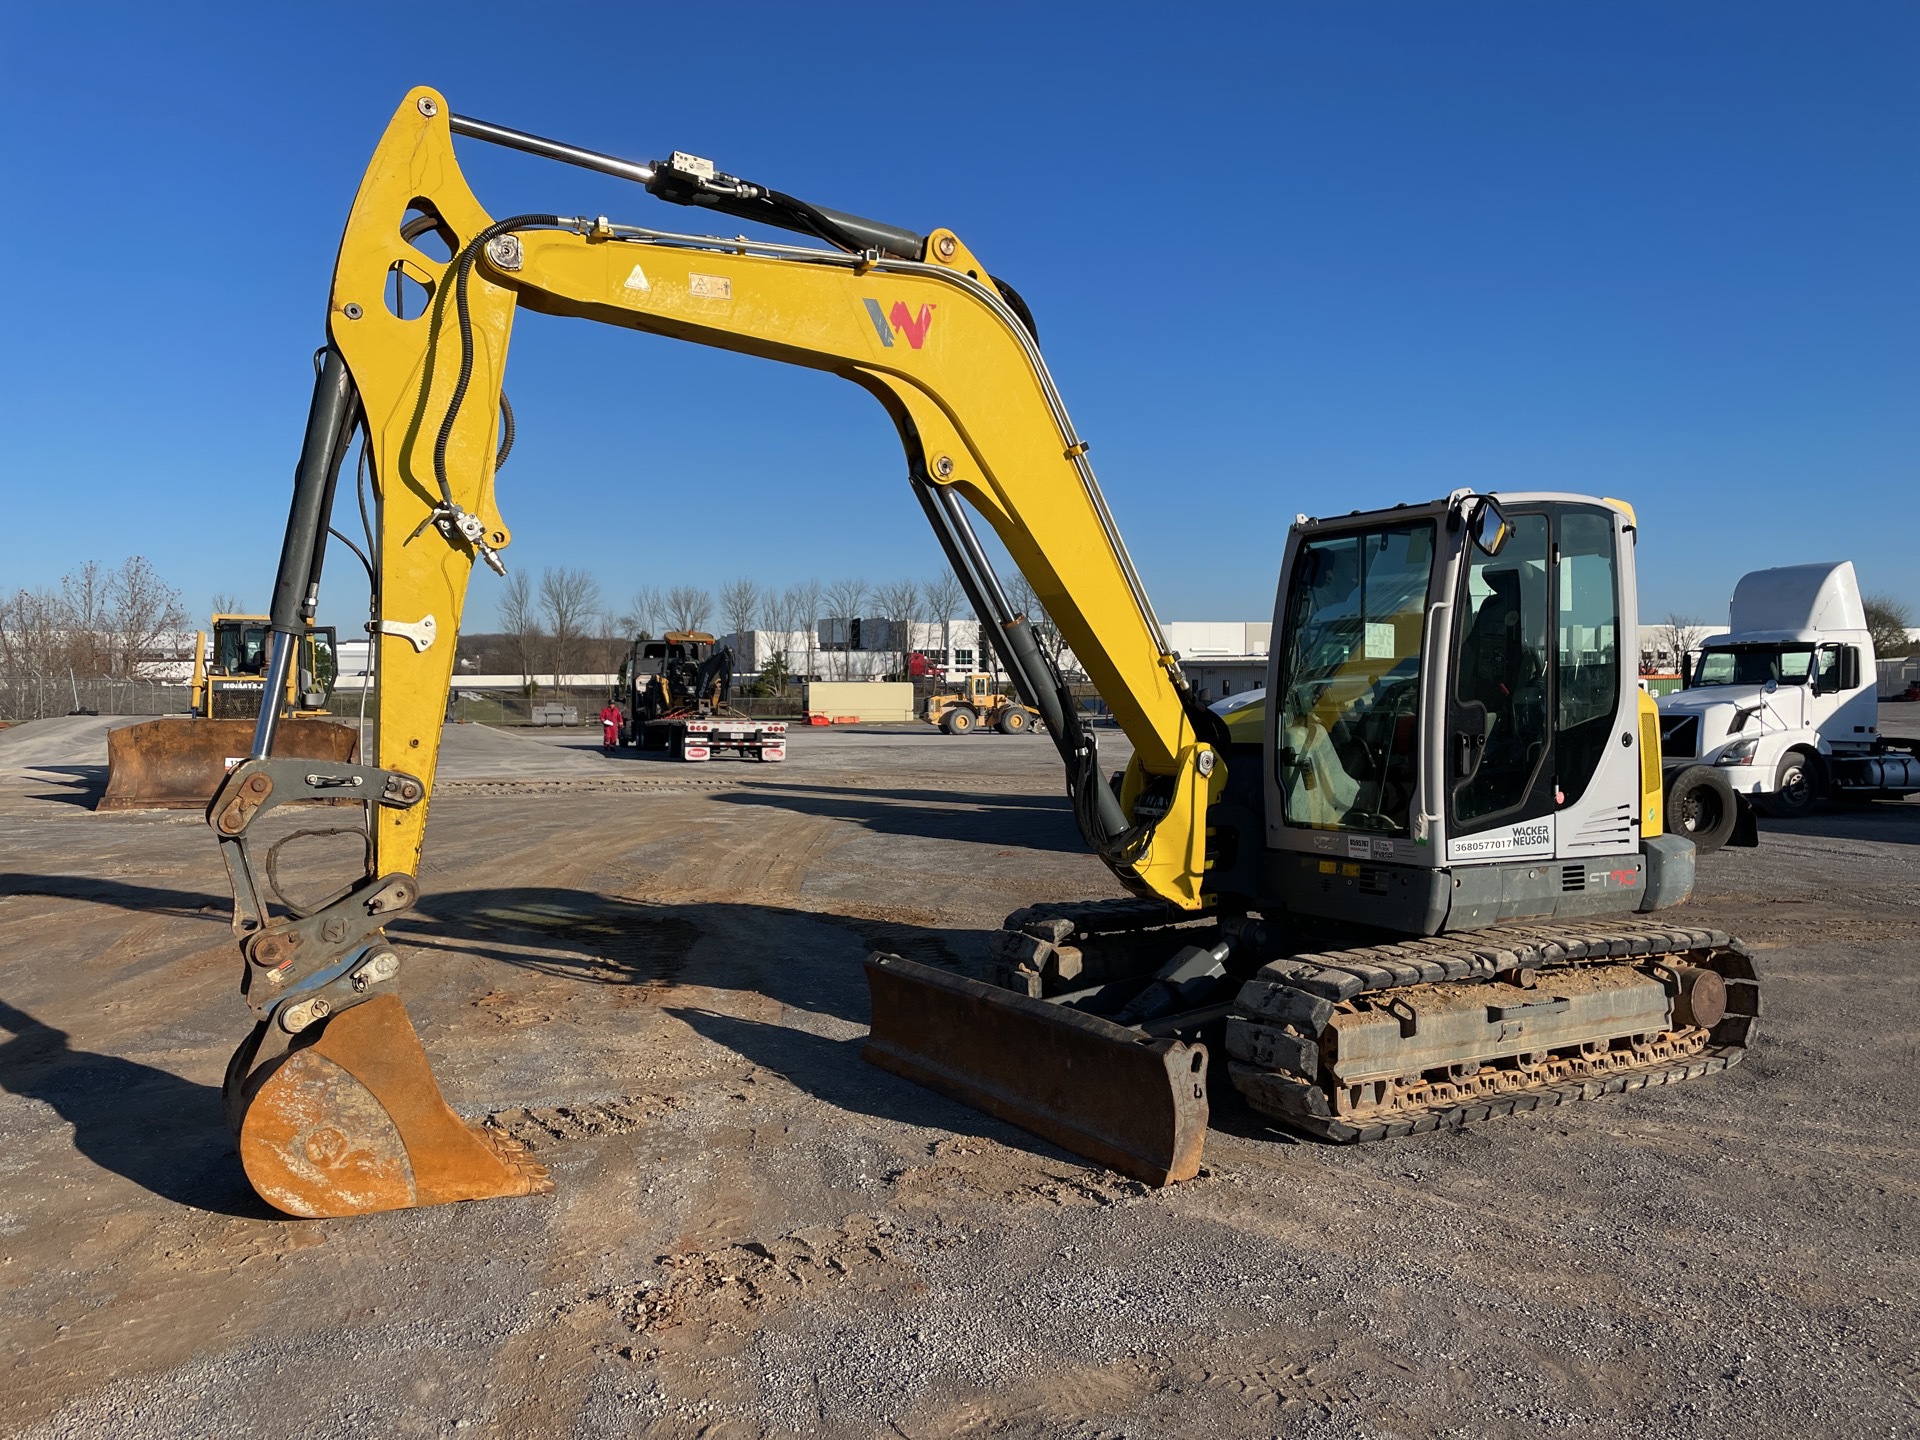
[651, 973]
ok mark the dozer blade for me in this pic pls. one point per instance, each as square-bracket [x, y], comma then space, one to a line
[177, 763]
[354, 1123]
[1128, 1101]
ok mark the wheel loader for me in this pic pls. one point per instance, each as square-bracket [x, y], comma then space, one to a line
[1425, 884]
[177, 762]
[977, 706]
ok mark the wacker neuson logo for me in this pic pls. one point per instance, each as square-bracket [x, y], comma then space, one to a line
[900, 321]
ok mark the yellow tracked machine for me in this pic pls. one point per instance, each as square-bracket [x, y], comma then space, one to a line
[1426, 883]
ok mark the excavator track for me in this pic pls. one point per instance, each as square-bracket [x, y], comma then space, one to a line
[1487, 1023]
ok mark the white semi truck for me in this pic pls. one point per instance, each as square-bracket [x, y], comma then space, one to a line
[1781, 710]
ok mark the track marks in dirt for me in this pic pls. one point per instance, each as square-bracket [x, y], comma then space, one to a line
[732, 1288]
[1061, 1404]
[966, 1169]
[1281, 1386]
[1257, 1393]
[542, 1129]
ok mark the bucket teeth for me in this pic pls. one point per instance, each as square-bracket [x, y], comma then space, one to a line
[354, 1123]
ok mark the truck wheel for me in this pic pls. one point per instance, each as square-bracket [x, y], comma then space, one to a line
[1700, 806]
[959, 721]
[1796, 786]
[1013, 721]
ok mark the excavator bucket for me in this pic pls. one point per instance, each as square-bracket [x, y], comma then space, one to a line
[1132, 1102]
[353, 1123]
[177, 763]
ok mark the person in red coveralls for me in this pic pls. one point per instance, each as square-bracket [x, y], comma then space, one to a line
[609, 726]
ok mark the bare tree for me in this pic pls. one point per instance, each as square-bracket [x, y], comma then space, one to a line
[141, 608]
[777, 609]
[1674, 638]
[1887, 622]
[228, 603]
[32, 652]
[520, 622]
[642, 611]
[845, 598]
[569, 599]
[688, 607]
[739, 604]
[99, 623]
[84, 603]
[804, 609]
[944, 597]
[900, 603]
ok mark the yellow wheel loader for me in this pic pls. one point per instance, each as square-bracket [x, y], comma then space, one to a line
[979, 707]
[1425, 884]
[177, 762]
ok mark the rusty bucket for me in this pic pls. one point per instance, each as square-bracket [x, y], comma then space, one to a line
[176, 763]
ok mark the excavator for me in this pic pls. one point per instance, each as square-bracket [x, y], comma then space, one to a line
[1424, 884]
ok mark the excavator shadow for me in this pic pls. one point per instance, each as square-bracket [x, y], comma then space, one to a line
[165, 1134]
[81, 785]
[832, 1071]
[101, 890]
[807, 960]
[1026, 822]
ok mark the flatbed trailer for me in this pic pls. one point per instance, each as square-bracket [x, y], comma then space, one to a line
[702, 737]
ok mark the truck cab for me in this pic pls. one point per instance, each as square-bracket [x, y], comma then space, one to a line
[1784, 703]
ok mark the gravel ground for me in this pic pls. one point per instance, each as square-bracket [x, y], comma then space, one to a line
[651, 973]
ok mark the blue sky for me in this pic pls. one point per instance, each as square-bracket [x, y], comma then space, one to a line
[1284, 258]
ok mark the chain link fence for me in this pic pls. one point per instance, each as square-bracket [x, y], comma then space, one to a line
[39, 697]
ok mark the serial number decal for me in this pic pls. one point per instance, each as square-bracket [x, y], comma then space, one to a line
[1529, 837]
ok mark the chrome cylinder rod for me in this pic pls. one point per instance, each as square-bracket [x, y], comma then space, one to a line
[550, 149]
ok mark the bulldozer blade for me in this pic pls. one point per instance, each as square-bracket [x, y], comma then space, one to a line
[354, 1123]
[177, 763]
[1129, 1101]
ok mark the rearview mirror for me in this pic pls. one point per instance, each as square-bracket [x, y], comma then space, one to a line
[1489, 526]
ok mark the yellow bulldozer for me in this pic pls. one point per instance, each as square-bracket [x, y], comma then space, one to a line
[177, 761]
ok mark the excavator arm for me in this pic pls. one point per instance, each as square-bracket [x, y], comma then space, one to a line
[917, 322]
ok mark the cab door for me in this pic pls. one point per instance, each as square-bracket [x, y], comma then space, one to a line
[1535, 699]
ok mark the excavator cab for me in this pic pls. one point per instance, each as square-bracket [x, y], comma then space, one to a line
[1451, 709]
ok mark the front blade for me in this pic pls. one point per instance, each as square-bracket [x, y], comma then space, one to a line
[354, 1123]
[177, 763]
[1128, 1101]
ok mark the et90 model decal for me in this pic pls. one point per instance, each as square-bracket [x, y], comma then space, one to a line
[1527, 837]
[900, 321]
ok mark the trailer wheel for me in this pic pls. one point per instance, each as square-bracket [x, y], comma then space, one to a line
[1013, 721]
[1701, 804]
[960, 720]
[1796, 786]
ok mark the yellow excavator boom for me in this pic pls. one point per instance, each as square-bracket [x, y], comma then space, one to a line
[917, 322]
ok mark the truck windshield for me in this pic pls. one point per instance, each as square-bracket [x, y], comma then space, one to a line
[1754, 665]
[1349, 686]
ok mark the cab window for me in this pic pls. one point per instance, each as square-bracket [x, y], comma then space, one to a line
[1349, 689]
[1501, 673]
[1589, 650]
